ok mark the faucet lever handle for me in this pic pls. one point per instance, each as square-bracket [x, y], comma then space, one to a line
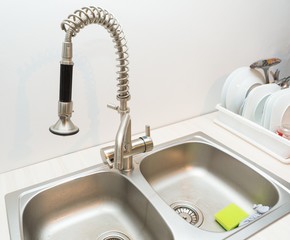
[113, 106]
[147, 140]
[147, 131]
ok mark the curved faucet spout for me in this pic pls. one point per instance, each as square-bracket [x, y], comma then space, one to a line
[72, 25]
[122, 153]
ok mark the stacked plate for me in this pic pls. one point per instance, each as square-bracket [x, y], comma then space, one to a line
[254, 103]
[275, 108]
[238, 85]
[245, 93]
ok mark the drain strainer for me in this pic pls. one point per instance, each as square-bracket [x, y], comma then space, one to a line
[188, 212]
[113, 235]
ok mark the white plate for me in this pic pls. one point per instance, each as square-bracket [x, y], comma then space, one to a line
[286, 117]
[227, 83]
[279, 108]
[254, 103]
[268, 107]
[239, 87]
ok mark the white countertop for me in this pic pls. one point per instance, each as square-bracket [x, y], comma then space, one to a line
[56, 167]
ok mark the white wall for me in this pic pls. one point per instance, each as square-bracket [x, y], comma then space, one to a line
[180, 55]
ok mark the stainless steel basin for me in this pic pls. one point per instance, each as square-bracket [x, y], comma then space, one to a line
[101, 206]
[202, 178]
[194, 177]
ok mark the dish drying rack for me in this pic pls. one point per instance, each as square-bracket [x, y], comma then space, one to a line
[267, 141]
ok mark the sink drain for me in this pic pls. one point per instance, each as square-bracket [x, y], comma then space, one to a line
[188, 212]
[113, 235]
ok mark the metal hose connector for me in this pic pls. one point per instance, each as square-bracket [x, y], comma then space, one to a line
[96, 15]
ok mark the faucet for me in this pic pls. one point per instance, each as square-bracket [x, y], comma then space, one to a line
[121, 154]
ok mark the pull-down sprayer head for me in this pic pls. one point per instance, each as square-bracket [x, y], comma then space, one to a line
[64, 126]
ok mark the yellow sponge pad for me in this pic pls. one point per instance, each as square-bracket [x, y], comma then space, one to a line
[230, 216]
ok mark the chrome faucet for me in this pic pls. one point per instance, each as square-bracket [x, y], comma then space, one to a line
[120, 155]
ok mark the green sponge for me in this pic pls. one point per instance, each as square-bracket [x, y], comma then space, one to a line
[230, 216]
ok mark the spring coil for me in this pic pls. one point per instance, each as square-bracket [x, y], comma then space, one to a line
[90, 15]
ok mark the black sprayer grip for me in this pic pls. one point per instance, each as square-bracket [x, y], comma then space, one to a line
[65, 88]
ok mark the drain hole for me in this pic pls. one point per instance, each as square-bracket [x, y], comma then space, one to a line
[188, 212]
[113, 235]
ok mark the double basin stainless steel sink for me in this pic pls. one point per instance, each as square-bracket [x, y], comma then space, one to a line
[173, 193]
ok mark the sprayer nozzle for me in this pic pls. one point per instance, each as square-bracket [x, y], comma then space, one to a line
[64, 127]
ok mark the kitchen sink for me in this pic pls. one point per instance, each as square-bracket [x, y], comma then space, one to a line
[100, 206]
[172, 193]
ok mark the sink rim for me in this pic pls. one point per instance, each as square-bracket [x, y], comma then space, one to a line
[175, 224]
